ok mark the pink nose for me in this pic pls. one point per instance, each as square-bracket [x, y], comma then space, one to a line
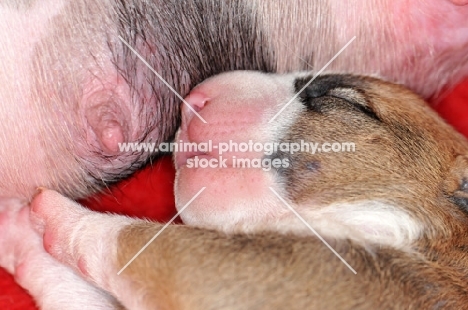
[197, 100]
[194, 103]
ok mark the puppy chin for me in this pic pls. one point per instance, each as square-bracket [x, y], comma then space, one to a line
[231, 195]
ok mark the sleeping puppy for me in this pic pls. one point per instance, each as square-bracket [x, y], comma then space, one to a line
[381, 225]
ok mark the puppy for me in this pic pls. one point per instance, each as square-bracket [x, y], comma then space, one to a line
[383, 225]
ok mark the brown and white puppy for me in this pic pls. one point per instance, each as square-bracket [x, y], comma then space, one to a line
[395, 209]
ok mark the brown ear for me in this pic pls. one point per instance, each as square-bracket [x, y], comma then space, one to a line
[456, 183]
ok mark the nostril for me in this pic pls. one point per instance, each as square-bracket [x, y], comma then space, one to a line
[197, 100]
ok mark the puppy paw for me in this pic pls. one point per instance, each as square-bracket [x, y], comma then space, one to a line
[53, 285]
[82, 239]
[58, 220]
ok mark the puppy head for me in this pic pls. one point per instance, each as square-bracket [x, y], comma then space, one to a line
[373, 159]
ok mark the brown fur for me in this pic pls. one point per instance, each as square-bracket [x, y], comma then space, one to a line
[271, 271]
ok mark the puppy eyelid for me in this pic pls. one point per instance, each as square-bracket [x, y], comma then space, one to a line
[356, 98]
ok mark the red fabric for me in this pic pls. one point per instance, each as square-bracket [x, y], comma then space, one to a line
[149, 194]
[454, 108]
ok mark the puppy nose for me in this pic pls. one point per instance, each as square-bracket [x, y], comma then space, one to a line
[197, 100]
[194, 103]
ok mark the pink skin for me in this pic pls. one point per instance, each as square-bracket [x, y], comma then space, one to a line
[218, 130]
[447, 26]
[23, 253]
[435, 28]
[411, 40]
[440, 22]
[62, 123]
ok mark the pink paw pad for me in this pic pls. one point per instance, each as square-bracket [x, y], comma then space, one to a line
[48, 241]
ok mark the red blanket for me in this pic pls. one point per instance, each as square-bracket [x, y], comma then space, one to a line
[149, 194]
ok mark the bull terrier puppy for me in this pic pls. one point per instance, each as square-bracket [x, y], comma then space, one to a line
[381, 225]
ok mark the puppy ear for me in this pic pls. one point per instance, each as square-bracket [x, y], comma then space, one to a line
[456, 184]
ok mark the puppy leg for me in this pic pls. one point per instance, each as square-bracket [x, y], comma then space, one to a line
[166, 275]
[53, 285]
[184, 267]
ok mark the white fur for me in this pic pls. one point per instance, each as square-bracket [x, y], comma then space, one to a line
[366, 222]
[378, 222]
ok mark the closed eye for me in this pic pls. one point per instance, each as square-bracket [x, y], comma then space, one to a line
[344, 87]
[356, 98]
[351, 96]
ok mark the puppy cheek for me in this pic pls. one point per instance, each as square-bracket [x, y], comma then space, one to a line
[227, 189]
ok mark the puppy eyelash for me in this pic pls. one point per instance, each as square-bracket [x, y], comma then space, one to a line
[314, 105]
[335, 86]
[355, 97]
